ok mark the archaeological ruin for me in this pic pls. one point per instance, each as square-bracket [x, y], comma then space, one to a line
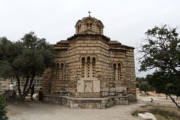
[92, 71]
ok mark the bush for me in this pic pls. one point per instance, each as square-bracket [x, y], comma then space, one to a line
[2, 108]
[145, 87]
[169, 115]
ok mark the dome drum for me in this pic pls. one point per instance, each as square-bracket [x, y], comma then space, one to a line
[89, 25]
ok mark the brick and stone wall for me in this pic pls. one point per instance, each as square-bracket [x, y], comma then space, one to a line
[90, 65]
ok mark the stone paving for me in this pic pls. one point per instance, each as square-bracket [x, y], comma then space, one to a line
[35, 111]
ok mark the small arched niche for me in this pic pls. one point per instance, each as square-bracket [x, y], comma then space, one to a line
[83, 67]
[83, 60]
[119, 71]
[57, 65]
[93, 66]
[119, 66]
[94, 61]
[114, 66]
[88, 59]
[62, 66]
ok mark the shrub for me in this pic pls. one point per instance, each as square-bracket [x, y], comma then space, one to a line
[2, 108]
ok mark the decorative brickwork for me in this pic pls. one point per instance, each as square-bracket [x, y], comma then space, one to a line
[90, 65]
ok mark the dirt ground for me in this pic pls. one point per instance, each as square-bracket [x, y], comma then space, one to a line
[35, 111]
[39, 111]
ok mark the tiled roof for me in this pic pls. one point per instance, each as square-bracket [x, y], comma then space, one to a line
[114, 42]
[63, 41]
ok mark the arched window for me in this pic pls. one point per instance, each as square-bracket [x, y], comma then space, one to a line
[88, 66]
[119, 71]
[62, 66]
[87, 25]
[94, 60]
[93, 67]
[62, 71]
[99, 28]
[78, 28]
[90, 25]
[114, 66]
[57, 71]
[83, 60]
[83, 67]
[57, 65]
[88, 59]
[114, 71]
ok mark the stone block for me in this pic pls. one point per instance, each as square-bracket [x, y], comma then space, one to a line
[96, 85]
[80, 86]
[121, 89]
[146, 116]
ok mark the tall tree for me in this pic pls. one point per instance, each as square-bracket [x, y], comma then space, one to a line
[24, 60]
[162, 53]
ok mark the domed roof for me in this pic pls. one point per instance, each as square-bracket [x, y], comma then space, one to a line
[89, 25]
[89, 18]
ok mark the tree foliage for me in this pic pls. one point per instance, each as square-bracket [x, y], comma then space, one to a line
[25, 59]
[162, 53]
[2, 109]
[143, 84]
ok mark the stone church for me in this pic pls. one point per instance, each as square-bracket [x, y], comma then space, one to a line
[91, 71]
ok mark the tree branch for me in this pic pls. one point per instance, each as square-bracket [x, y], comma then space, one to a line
[174, 101]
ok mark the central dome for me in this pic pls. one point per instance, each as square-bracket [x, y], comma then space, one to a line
[89, 25]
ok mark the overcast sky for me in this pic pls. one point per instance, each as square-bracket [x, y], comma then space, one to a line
[124, 20]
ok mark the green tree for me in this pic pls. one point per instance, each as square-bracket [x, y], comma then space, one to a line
[162, 54]
[140, 79]
[2, 109]
[143, 84]
[144, 87]
[25, 60]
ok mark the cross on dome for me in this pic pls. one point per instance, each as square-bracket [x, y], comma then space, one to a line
[89, 13]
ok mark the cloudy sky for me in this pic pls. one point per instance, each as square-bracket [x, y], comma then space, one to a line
[124, 20]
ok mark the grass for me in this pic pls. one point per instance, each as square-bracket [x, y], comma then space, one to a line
[164, 114]
[161, 113]
[159, 117]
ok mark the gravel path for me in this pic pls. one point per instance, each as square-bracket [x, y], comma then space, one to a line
[34, 111]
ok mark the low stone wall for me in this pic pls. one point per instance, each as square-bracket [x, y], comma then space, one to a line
[53, 99]
[99, 103]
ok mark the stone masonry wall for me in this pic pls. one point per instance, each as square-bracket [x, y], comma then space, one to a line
[65, 79]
